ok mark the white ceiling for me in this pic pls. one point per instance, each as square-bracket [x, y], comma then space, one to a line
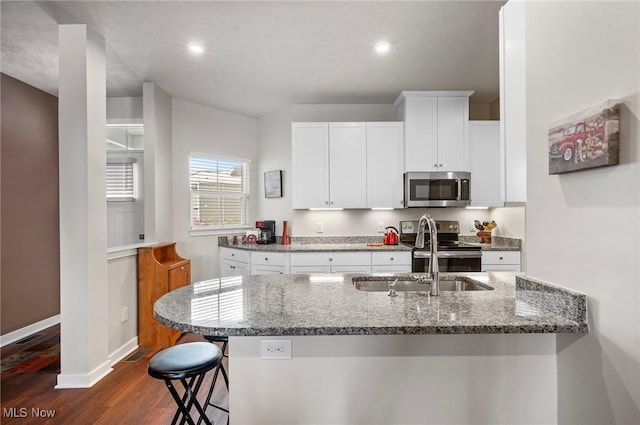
[262, 56]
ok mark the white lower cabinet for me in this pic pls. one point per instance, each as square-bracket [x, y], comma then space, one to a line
[239, 262]
[268, 263]
[504, 261]
[233, 262]
[391, 262]
[330, 262]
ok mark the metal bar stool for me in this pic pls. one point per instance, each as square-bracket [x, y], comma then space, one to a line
[187, 363]
[219, 368]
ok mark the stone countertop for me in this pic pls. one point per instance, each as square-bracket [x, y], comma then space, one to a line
[359, 243]
[319, 247]
[329, 304]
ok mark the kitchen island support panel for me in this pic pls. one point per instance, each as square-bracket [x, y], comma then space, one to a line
[392, 379]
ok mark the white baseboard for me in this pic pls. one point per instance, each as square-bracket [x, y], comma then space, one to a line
[84, 380]
[28, 330]
[123, 351]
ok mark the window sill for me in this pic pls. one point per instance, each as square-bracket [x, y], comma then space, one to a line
[218, 231]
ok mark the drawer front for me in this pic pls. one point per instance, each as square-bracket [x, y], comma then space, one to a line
[179, 277]
[234, 254]
[268, 258]
[310, 269]
[352, 269]
[350, 259]
[501, 257]
[391, 258]
[400, 268]
[501, 268]
[309, 259]
[331, 259]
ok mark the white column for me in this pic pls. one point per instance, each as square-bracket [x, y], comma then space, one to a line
[157, 164]
[83, 209]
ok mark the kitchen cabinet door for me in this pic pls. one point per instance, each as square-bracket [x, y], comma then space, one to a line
[310, 165]
[391, 262]
[501, 261]
[453, 119]
[234, 262]
[347, 165]
[268, 262]
[513, 99]
[233, 268]
[420, 116]
[384, 165]
[487, 164]
[436, 130]
[331, 262]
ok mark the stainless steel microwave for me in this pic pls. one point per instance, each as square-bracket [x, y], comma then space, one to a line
[437, 189]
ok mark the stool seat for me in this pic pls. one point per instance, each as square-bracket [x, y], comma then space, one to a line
[187, 363]
[185, 360]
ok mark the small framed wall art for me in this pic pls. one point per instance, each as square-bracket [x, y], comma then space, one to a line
[587, 139]
[273, 184]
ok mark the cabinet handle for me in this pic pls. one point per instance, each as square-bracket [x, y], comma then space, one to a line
[326, 202]
[331, 202]
[439, 165]
[501, 258]
[233, 255]
[330, 259]
[435, 165]
[266, 258]
[233, 267]
[391, 258]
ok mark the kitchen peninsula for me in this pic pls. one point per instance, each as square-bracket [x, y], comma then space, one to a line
[365, 357]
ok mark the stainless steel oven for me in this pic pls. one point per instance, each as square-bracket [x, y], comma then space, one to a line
[448, 261]
[453, 256]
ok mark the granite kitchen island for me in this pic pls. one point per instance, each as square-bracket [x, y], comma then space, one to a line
[364, 357]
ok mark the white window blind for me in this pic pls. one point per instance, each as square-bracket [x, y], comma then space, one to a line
[120, 181]
[219, 192]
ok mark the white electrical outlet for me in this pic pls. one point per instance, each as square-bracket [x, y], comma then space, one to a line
[275, 349]
[472, 226]
[319, 228]
[125, 314]
[381, 227]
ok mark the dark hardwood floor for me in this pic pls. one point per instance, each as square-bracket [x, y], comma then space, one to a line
[127, 396]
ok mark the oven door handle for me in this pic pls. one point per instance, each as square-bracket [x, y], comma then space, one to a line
[449, 254]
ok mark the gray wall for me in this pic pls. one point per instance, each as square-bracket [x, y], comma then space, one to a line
[30, 247]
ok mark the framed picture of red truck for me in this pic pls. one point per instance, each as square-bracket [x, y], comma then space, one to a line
[586, 139]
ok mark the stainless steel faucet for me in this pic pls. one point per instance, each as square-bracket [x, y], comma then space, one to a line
[433, 272]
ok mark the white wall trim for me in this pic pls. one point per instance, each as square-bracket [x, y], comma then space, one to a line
[123, 351]
[28, 330]
[84, 380]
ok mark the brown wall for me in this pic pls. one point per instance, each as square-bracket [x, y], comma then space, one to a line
[29, 234]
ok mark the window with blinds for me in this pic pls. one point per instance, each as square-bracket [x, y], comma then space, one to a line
[120, 181]
[219, 192]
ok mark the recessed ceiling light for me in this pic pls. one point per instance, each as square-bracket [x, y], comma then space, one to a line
[382, 47]
[196, 48]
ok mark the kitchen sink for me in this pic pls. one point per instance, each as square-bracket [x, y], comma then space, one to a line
[412, 285]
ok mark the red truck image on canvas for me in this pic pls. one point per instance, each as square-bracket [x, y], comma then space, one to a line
[580, 142]
[585, 140]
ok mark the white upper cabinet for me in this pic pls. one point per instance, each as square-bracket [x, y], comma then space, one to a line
[328, 165]
[384, 164]
[347, 165]
[513, 99]
[487, 164]
[436, 130]
[420, 116]
[310, 165]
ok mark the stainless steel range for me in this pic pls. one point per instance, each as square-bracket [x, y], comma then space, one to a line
[453, 256]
